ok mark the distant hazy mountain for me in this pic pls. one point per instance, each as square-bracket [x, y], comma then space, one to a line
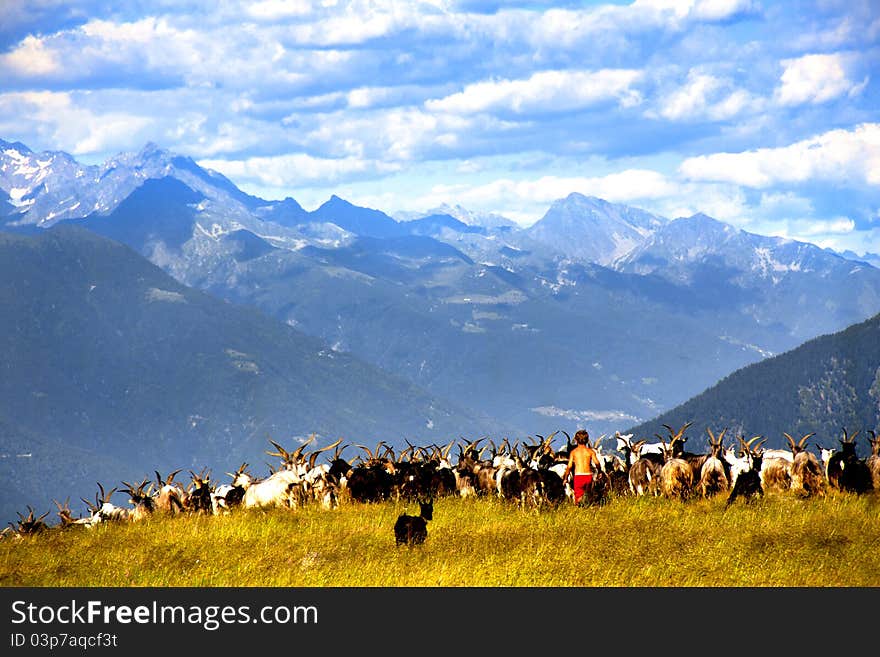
[436, 224]
[112, 369]
[770, 279]
[822, 386]
[357, 220]
[465, 216]
[872, 259]
[593, 230]
[48, 187]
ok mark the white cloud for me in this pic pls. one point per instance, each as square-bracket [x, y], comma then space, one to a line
[271, 10]
[395, 134]
[294, 170]
[703, 96]
[72, 127]
[835, 232]
[525, 201]
[675, 12]
[816, 79]
[840, 156]
[814, 227]
[31, 57]
[546, 91]
[784, 204]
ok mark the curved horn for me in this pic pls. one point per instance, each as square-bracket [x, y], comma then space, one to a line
[281, 453]
[803, 440]
[314, 454]
[683, 428]
[297, 453]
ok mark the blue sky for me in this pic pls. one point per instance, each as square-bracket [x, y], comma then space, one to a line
[762, 114]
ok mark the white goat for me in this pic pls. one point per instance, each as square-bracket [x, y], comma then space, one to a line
[105, 511]
[226, 496]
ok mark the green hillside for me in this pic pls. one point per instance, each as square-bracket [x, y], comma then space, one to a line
[826, 384]
[108, 364]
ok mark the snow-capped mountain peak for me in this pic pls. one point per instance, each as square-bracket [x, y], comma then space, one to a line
[592, 229]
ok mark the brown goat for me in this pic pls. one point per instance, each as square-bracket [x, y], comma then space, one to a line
[873, 460]
[714, 477]
[676, 475]
[807, 477]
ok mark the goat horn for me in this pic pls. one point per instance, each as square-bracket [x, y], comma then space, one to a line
[328, 447]
[298, 451]
[281, 453]
[803, 440]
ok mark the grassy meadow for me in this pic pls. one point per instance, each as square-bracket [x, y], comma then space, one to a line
[777, 541]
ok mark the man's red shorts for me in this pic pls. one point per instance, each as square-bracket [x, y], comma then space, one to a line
[581, 484]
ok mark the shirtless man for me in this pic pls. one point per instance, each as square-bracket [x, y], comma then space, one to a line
[581, 460]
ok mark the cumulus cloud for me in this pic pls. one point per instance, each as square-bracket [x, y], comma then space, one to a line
[297, 169]
[545, 91]
[842, 156]
[525, 200]
[703, 96]
[271, 10]
[816, 79]
[31, 57]
[59, 119]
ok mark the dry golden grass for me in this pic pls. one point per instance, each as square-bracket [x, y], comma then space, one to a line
[629, 542]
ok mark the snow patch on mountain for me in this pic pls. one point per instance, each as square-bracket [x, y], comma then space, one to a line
[155, 294]
[586, 415]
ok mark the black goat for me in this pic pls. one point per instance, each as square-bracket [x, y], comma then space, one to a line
[848, 472]
[413, 530]
[748, 483]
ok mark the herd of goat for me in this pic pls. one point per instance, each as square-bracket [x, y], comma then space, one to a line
[528, 473]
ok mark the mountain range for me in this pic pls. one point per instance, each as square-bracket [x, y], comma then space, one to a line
[599, 314]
